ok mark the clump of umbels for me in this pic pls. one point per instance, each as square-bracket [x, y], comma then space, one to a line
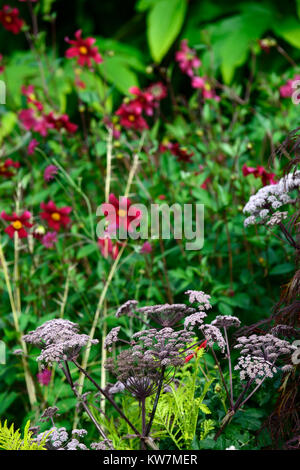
[61, 439]
[266, 208]
[149, 361]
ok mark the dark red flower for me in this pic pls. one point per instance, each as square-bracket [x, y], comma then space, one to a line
[181, 153]
[18, 222]
[9, 18]
[130, 116]
[205, 183]
[143, 102]
[108, 248]
[158, 91]
[259, 172]
[120, 213]
[83, 49]
[54, 216]
[60, 122]
[33, 121]
[31, 97]
[5, 168]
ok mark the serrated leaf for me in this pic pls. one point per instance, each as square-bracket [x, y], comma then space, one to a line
[204, 408]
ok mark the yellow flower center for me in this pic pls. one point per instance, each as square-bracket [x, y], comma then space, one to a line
[31, 96]
[131, 117]
[56, 216]
[17, 225]
[83, 50]
[8, 19]
[122, 213]
[207, 86]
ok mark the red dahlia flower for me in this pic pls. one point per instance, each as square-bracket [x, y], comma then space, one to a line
[120, 213]
[55, 217]
[9, 18]
[4, 167]
[259, 172]
[33, 121]
[18, 222]
[144, 100]
[180, 152]
[130, 116]
[61, 122]
[82, 48]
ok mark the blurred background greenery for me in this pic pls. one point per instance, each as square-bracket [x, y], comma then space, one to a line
[225, 30]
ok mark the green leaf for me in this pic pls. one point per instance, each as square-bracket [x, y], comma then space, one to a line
[282, 269]
[204, 408]
[225, 309]
[164, 23]
[6, 399]
[289, 29]
[86, 251]
[116, 71]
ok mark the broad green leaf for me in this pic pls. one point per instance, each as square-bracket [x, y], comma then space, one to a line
[164, 23]
[282, 269]
[86, 251]
[289, 29]
[117, 72]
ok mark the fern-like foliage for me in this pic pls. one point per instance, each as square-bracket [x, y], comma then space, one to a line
[12, 440]
[178, 410]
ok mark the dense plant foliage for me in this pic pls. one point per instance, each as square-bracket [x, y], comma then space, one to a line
[176, 103]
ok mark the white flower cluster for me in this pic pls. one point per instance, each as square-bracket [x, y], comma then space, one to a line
[256, 368]
[195, 319]
[270, 197]
[276, 218]
[200, 297]
[226, 321]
